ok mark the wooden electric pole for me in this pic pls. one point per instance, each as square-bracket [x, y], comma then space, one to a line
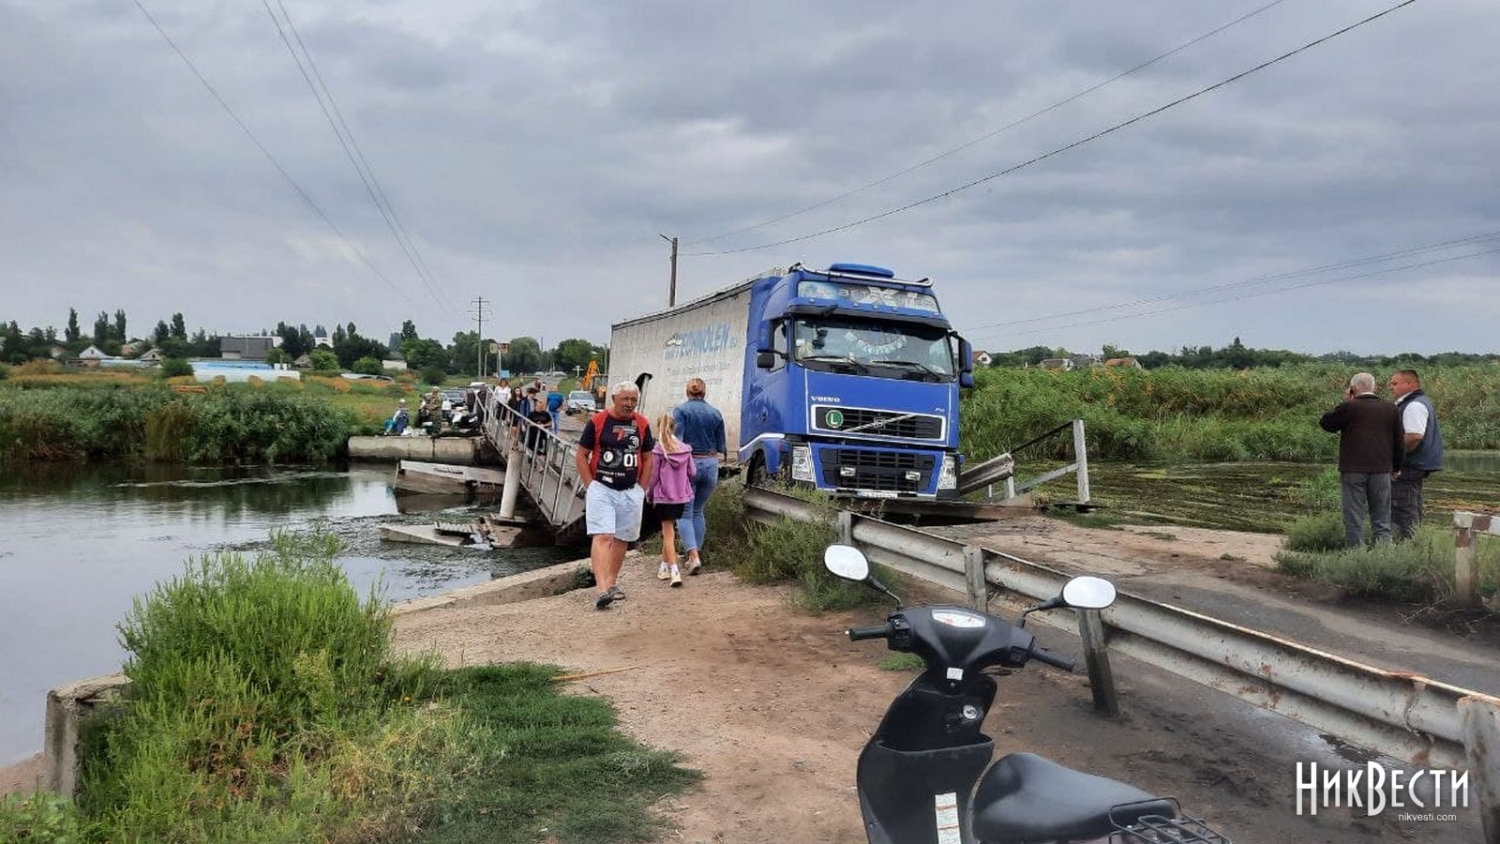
[672, 290]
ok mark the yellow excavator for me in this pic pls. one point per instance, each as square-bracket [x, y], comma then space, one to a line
[594, 383]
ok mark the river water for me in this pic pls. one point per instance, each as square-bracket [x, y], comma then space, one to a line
[77, 545]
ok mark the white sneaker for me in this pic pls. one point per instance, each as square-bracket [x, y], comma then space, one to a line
[676, 576]
[663, 572]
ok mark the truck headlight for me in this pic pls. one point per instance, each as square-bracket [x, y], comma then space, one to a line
[802, 463]
[948, 477]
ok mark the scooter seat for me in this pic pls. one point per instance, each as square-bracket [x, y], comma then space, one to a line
[1025, 797]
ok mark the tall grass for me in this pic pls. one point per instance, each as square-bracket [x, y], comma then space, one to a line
[233, 424]
[786, 550]
[1201, 415]
[1420, 570]
[264, 705]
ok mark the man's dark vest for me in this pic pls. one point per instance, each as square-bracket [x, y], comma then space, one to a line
[1429, 455]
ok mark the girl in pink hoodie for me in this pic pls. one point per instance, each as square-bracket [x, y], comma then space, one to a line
[670, 491]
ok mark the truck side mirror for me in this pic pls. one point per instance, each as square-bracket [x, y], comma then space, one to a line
[765, 359]
[965, 363]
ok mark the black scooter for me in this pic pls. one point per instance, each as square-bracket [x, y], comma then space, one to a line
[918, 773]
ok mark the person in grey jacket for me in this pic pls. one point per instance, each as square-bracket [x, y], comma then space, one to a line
[1371, 447]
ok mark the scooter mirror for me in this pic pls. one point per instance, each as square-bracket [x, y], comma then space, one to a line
[847, 562]
[1088, 593]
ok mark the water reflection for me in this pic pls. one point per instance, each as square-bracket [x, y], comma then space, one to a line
[80, 543]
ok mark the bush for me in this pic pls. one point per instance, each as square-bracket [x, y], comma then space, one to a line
[175, 367]
[434, 375]
[368, 366]
[1323, 532]
[264, 705]
[790, 550]
[42, 818]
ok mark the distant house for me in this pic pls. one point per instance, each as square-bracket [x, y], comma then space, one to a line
[303, 361]
[90, 357]
[1084, 360]
[247, 348]
[132, 348]
[982, 359]
[394, 364]
[322, 343]
[1129, 363]
[1061, 364]
[152, 356]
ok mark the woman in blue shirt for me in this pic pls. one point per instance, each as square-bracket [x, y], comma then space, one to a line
[700, 425]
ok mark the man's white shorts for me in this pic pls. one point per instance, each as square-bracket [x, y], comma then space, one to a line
[614, 511]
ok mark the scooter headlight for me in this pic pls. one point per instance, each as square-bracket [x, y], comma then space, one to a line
[802, 463]
[948, 477]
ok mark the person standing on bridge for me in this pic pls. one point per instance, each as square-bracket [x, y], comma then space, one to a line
[1424, 451]
[700, 425]
[1371, 446]
[614, 454]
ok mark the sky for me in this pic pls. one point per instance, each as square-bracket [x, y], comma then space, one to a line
[1069, 174]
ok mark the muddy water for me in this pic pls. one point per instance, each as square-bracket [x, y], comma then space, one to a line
[77, 545]
[1262, 496]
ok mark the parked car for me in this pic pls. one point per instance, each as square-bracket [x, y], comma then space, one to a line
[580, 401]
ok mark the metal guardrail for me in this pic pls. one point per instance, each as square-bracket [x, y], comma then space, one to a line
[1404, 715]
[548, 472]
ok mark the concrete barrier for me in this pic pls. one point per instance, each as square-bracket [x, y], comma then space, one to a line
[66, 706]
[458, 451]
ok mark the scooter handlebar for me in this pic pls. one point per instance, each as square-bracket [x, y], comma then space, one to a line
[1044, 655]
[857, 633]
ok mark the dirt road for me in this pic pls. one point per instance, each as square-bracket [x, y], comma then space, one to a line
[774, 705]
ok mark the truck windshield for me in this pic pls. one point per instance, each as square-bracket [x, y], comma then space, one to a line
[868, 347]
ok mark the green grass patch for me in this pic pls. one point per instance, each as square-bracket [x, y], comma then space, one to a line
[901, 662]
[547, 766]
[1420, 570]
[1320, 533]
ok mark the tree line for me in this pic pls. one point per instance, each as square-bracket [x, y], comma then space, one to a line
[1237, 355]
[466, 353]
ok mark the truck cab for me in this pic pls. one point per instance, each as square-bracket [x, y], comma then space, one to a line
[851, 384]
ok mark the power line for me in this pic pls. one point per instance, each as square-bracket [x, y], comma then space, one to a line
[1074, 145]
[1256, 294]
[267, 153]
[1353, 262]
[321, 90]
[940, 156]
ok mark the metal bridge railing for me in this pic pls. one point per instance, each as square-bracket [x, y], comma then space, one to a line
[1405, 715]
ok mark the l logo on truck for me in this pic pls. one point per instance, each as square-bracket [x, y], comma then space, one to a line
[834, 418]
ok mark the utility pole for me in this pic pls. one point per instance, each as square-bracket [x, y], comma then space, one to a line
[479, 337]
[672, 290]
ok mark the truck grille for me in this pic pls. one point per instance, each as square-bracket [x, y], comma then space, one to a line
[877, 470]
[878, 423]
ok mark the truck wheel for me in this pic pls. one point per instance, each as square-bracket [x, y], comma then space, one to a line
[757, 475]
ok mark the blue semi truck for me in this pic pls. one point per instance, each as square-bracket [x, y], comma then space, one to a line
[846, 379]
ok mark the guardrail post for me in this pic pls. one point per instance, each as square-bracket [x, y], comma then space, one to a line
[1096, 657]
[979, 595]
[846, 527]
[1481, 726]
[1465, 572]
[1081, 455]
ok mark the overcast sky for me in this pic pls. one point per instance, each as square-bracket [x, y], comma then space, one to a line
[534, 152]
